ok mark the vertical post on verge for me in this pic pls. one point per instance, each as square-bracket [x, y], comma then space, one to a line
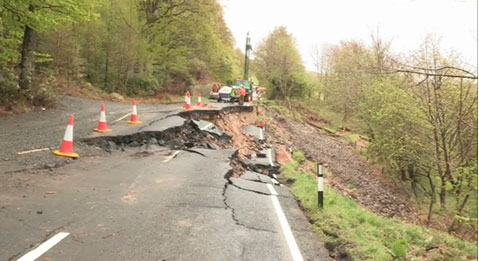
[320, 185]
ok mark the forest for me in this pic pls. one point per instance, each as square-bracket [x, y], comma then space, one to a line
[418, 111]
[136, 48]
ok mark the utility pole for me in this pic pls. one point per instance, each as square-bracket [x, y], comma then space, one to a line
[246, 57]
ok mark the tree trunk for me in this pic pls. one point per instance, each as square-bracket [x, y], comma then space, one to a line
[459, 212]
[27, 62]
[443, 193]
[432, 195]
[412, 178]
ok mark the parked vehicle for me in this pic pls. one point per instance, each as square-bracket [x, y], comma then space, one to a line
[224, 94]
[214, 95]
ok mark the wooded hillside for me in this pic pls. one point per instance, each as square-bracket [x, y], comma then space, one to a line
[133, 47]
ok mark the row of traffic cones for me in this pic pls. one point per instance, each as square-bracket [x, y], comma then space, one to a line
[188, 106]
[66, 148]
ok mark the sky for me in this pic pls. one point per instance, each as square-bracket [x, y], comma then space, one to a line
[405, 23]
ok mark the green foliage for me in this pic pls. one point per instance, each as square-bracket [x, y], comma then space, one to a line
[367, 236]
[298, 156]
[347, 78]
[8, 87]
[42, 15]
[399, 248]
[35, 16]
[130, 47]
[419, 126]
[279, 65]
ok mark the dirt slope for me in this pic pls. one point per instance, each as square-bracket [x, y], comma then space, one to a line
[348, 172]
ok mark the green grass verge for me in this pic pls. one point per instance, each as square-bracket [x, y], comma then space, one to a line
[365, 235]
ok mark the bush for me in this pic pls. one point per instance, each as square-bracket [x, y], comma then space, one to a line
[9, 88]
[142, 86]
[399, 248]
[299, 156]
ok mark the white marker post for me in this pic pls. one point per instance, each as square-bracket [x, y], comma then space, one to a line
[320, 185]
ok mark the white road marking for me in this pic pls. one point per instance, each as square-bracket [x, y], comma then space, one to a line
[270, 158]
[41, 249]
[31, 151]
[288, 234]
[172, 156]
[207, 126]
[275, 180]
[122, 117]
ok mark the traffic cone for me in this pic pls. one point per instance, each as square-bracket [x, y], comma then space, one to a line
[187, 101]
[134, 116]
[199, 104]
[66, 149]
[102, 125]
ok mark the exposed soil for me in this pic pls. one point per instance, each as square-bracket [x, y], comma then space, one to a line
[348, 173]
[232, 121]
[233, 124]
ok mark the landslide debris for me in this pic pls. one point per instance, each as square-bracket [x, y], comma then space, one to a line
[351, 175]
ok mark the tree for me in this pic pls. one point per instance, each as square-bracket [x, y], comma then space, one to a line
[345, 67]
[278, 62]
[422, 120]
[449, 106]
[36, 16]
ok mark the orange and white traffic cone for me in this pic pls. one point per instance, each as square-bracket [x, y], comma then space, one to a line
[199, 104]
[66, 149]
[187, 101]
[102, 125]
[134, 117]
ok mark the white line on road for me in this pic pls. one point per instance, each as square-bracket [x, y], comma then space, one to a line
[275, 180]
[31, 151]
[288, 234]
[172, 156]
[41, 249]
[207, 126]
[122, 117]
[270, 158]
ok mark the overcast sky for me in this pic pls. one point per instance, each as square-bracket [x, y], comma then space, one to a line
[320, 22]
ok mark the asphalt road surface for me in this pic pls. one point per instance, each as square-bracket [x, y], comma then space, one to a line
[151, 203]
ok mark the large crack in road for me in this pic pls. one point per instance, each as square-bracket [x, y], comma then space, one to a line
[213, 194]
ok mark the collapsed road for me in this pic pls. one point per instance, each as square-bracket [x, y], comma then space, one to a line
[176, 187]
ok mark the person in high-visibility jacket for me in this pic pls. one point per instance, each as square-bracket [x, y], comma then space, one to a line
[242, 94]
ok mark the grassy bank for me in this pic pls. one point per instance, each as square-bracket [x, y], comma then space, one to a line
[364, 235]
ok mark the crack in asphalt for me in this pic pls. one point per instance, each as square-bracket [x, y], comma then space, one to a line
[157, 120]
[233, 211]
[255, 191]
[249, 190]
[256, 180]
[194, 151]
